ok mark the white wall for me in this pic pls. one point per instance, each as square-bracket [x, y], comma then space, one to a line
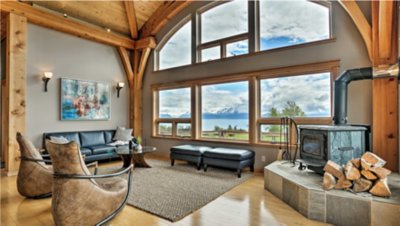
[70, 57]
[348, 47]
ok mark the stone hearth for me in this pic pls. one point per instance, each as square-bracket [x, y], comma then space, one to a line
[303, 191]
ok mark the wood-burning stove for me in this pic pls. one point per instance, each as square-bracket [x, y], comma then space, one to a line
[338, 143]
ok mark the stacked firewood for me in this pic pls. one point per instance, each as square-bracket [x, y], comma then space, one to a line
[365, 174]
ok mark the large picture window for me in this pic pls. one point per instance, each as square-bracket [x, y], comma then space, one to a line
[225, 111]
[231, 28]
[247, 107]
[174, 112]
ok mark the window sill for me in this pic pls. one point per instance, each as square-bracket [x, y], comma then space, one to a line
[231, 142]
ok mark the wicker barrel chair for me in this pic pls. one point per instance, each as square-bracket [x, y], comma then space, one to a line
[35, 178]
[77, 198]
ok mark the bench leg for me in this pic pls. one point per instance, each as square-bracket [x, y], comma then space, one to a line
[198, 166]
[252, 168]
[172, 162]
[205, 167]
[239, 173]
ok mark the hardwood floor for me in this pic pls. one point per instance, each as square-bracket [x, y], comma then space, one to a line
[246, 204]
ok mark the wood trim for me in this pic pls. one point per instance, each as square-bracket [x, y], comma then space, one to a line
[223, 41]
[361, 23]
[131, 15]
[59, 23]
[15, 87]
[385, 120]
[161, 17]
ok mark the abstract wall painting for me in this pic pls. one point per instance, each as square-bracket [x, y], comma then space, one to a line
[85, 100]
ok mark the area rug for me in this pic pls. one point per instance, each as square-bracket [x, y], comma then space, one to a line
[174, 192]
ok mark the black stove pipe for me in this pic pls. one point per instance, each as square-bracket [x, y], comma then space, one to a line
[340, 95]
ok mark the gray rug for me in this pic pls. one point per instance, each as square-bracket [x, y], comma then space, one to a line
[174, 192]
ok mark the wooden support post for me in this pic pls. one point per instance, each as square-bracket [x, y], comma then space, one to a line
[15, 88]
[385, 113]
[385, 122]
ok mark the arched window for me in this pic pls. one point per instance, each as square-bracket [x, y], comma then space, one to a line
[284, 23]
[232, 28]
[177, 49]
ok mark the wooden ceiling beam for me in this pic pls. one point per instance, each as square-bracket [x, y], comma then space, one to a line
[384, 32]
[148, 42]
[132, 21]
[161, 16]
[123, 53]
[361, 23]
[59, 23]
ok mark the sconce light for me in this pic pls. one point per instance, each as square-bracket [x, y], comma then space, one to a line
[46, 78]
[120, 85]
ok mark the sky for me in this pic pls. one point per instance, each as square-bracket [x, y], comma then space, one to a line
[282, 23]
[310, 92]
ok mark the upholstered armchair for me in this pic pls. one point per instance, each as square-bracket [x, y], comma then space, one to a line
[35, 178]
[79, 199]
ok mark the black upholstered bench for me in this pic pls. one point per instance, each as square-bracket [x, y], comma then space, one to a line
[229, 158]
[190, 153]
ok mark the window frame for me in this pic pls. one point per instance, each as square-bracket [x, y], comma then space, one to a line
[174, 121]
[165, 40]
[254, 84]
[253, 35]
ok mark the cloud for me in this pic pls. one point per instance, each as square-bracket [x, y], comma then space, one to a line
[215, 98]
[310, 92]
[301, 20]
[225, 20]
[174, 102]
[177, 51]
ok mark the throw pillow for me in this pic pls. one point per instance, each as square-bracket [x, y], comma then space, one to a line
[123, 134]
[59, 140]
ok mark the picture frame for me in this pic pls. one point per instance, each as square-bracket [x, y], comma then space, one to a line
[84, 100]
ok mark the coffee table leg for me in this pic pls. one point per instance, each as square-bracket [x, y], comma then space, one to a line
[138, 161]
[126, 159]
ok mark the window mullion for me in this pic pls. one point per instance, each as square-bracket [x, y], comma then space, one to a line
[195, 37]
[254, 25]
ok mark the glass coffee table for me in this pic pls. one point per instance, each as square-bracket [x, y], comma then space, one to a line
[135, 157]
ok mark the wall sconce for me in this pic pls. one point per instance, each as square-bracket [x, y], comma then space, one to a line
[46, 78]
[120, 85]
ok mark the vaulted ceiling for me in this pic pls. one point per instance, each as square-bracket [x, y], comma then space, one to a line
[118, 17]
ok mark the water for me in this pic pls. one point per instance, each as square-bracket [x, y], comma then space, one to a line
[209, 124]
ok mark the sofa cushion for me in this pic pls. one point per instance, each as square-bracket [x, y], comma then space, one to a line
[123, 134]
[86, 151]
[92, 138]
[229, 153]
[108, 135]
[189, 149]
[101, 149]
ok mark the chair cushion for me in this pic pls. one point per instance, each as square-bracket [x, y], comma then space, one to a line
[71, 136]
[86, 151]
[108, 135]
[189, 149]
[92, 138]
[101, 149]
[229, 153]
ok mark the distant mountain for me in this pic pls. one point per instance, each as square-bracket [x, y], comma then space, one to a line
[226, 113]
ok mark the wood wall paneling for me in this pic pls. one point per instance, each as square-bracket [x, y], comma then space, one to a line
[15, 87]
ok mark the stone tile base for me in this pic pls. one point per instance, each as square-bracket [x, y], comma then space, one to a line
[302, 190]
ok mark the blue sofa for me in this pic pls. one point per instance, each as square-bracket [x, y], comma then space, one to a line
[93, 144]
